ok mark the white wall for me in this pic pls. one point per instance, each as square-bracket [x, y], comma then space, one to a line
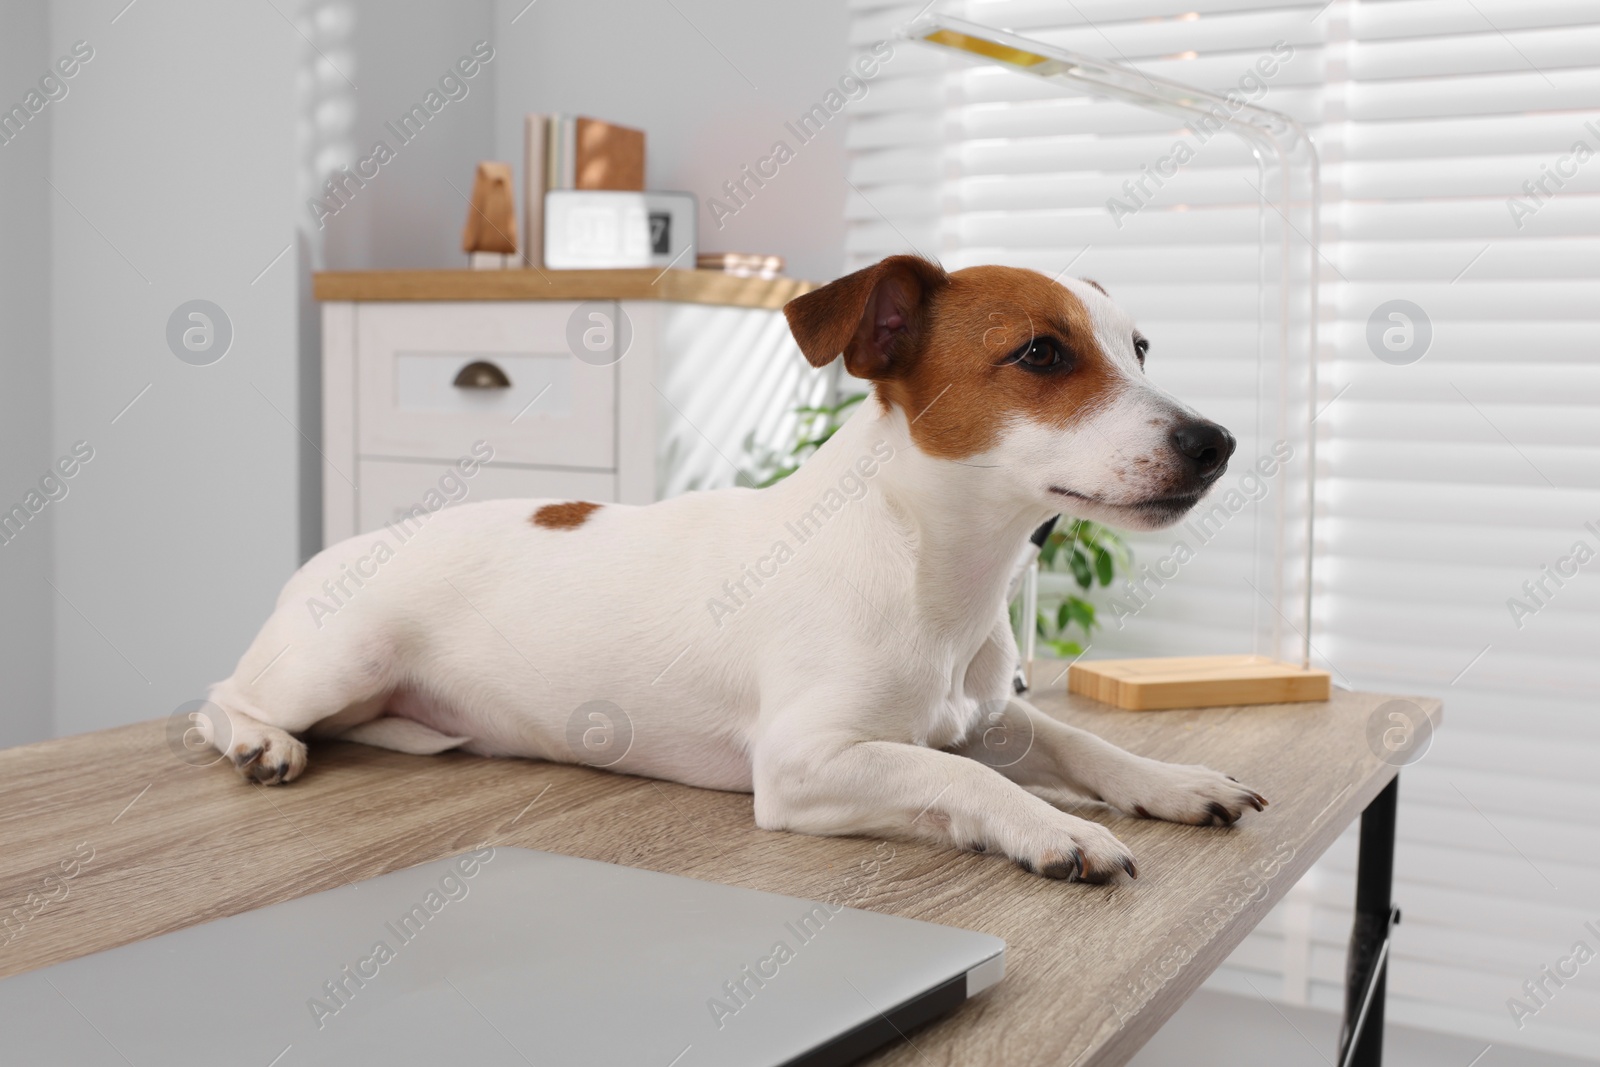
[409, 215]
[712, 83]
[188, 145]
[174, 160]
[26, 444]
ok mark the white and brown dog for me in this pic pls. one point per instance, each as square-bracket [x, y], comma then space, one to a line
[836, 644]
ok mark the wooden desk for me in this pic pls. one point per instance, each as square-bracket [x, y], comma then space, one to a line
[1092, 971]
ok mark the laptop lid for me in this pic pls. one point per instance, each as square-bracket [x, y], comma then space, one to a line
[505, 956]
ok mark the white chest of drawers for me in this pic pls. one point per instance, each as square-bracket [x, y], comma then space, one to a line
[612, 386]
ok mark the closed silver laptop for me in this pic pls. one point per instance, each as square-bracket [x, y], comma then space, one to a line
[505, 956]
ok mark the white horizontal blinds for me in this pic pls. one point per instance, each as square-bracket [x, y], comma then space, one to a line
[1444, 485]
[895, 141]
[729, 383]
[1449, 482]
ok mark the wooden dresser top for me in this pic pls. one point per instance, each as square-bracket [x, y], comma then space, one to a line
[672, 286]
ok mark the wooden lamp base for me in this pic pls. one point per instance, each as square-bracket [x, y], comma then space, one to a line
[1196, 682]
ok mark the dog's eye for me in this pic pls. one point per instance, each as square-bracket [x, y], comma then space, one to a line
[1140, 347]
[1040, 354]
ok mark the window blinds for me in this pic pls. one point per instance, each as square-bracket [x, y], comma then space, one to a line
[1458, 493]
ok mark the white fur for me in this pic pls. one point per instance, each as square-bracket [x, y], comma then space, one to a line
[846, 685]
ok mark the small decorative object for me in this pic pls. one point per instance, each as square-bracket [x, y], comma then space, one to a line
[492, 219]
[1196, 682]
[589, 230]
[741, 264]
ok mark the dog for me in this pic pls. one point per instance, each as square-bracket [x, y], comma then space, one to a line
[836, 644]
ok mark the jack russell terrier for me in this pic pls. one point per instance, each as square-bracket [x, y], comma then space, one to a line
[837, 644]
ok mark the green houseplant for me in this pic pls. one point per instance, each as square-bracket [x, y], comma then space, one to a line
[1091, 554]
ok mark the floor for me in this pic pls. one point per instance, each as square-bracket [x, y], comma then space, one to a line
[1217, 1028]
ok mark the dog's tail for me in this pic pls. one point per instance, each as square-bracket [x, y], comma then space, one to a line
[402, 735]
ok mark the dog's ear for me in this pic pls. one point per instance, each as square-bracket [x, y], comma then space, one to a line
[874, 316]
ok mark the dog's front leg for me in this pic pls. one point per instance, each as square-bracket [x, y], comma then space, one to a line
[1059, 756]
[840, 785]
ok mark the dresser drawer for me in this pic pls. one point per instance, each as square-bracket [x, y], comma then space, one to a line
[555, 410]
[390, 489]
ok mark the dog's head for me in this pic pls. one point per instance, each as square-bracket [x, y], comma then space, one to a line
[1041, 382]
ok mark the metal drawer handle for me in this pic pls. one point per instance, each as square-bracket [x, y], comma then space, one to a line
[481, 374]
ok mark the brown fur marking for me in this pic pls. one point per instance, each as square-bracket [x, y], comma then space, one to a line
[565, 516]
[936, 345]
[959, 393]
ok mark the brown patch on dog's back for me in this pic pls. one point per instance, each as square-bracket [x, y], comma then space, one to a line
[958, 391]
[568, 515]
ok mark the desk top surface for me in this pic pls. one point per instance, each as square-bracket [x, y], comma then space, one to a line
[669, 286]
[1092, 971]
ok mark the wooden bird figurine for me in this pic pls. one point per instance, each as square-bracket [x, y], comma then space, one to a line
[492, 219]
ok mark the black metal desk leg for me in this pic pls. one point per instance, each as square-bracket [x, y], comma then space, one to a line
[1367, 969]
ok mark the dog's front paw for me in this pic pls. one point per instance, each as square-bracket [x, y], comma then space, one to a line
[267, 755]
[1076, 850]
[1189, 793]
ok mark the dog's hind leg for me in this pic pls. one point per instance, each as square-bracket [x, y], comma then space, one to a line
[259, 752]
[291, 679]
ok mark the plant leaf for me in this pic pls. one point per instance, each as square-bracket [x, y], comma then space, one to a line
[1103, 565]
[1080, 568]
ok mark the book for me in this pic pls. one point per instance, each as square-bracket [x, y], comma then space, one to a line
[585, 153]
[534, 177]
[606, 156]
[559, 172]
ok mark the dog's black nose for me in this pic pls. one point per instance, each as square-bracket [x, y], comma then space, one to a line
[1205, 444]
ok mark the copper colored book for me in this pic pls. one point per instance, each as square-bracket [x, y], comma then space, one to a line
[609, 156]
